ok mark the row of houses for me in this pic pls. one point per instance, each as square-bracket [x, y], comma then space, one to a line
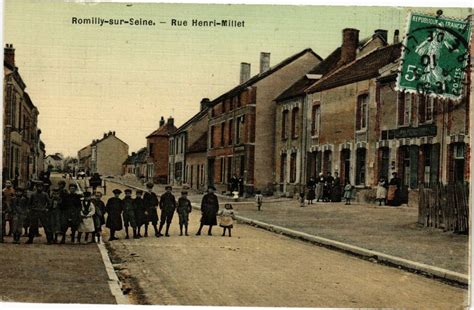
[307, 115]
[23, 151]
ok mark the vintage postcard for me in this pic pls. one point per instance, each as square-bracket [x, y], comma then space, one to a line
[236, 155]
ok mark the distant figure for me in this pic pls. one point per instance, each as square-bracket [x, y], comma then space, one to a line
[209, 209]
[311, 195]
[95, 181]
[183, 210]
[348, 192]
[394, 187]
[381, 194]
[226, 219]
[259, 200]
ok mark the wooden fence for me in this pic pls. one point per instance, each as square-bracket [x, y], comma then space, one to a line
[445, 207]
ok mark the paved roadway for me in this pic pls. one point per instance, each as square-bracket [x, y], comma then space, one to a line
[260, 268]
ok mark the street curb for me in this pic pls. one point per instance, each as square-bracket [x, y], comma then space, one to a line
[114, 282]
[358, 251]
[409, 265]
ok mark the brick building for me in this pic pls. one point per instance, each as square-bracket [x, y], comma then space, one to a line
[21, 160]
[158, 146]
[241, 123]
[105, 155]
[187, 153]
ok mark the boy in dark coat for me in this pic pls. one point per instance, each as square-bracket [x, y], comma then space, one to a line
[19, 211]
[183, 210]
[129, 214]
[99, 214]
[150, 201]
[39, 205]
[167, 206]
[209, 209]
[139, 208]
[54, 214]
[71, 216]
[114, 210]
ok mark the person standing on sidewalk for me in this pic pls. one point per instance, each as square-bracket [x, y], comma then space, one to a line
[139, 208]
[311, 194]
[87, 220]
[348, 192]
[19, 211]
[129, 214]
[114, 210]
[98, 216]
[167, 206]
[39, 205]
[259, 200]
[209, 209]
[336, 189]
[226, 220]
[183, 210]
[394, 187]
[150, 201]
[54, 214]
[381, 194]
[320, 187]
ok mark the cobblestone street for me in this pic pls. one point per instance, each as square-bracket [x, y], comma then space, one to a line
[259, 268]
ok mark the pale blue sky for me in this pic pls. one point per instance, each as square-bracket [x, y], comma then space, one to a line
[87, 79]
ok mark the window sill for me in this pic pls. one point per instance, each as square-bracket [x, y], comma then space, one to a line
[363, 130]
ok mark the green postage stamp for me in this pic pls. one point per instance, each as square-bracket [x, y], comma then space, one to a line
[435, 56]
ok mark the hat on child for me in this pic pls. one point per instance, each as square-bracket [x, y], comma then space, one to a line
[149, 185]
[139, 191]
[117, 191]
[228, 206]
[128, 190]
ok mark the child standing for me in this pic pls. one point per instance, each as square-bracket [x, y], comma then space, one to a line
[381, 194]
[183, 210]
[259, 199]
[98, 216]
[227, 219]
[54, 214]
[348, 192]
[87, 222]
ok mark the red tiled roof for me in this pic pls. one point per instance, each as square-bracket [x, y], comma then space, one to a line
[363, 68]
[163, 131]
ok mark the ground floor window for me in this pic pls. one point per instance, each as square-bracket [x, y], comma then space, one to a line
[345, 165]
[457, 164]
[282, 167]
[327, 161]
[293, 168]
[384, 162]
[360, 166]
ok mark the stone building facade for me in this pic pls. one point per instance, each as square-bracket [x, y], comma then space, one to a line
[188, 137]
[21, 160]
[158, 146]
[105, 155]
[241, 124]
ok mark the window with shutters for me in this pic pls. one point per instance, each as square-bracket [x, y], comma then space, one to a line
[294, 123]
[231, 131]
[404, 109]
[222, 133]
[212, 136]
[284, 122]
[362, 112]
[360, 166]
[315, 119]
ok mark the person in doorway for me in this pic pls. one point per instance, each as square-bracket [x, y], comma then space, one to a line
[394, 188]
[311, 194]
[114, 208]
[381, 194]
[167, 206]
[87, 219]
[183, 210]
[336, 188]
[209, 209]
[150, 201]
[226, 219]
[129, 214]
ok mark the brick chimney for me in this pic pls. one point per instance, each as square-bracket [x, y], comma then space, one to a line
[350, 42]
[170, 121]
[244, 72]
[396, 36]
[264, 62]
[162, 121]
[205, 102]
[9, 54]
[383, 33]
